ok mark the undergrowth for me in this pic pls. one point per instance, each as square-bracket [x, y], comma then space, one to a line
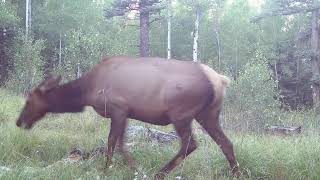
[37, 154]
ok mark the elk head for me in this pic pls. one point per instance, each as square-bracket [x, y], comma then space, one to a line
[37, 103]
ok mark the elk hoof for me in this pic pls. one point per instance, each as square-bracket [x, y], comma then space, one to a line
[109, 164]
[237, 174]
[132, 165]
[160, 176]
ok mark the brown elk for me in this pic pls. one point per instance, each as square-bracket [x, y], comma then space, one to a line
[152, 90]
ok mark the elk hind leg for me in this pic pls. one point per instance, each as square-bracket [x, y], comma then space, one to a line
[188, 145]
[210, 122]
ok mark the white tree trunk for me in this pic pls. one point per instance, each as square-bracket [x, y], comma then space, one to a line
[276, 72]
[216, 30]
[169, 30]
[78, 69]
[28, 16]
[4, 29]
[196, 36]
[219, 47]
[60, 51]
[236, 71]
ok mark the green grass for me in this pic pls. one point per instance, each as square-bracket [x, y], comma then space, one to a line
[36, 154]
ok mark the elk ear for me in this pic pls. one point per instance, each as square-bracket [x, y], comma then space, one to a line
[50, 83]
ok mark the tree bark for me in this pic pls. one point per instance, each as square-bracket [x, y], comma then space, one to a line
[196, 36]
[144, 34]
[315, 59]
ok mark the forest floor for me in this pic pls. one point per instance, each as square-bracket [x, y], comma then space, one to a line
[39, 153]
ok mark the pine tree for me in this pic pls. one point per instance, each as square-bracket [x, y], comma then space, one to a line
[144, 8]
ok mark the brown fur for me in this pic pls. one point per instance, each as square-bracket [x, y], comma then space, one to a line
[153, 90]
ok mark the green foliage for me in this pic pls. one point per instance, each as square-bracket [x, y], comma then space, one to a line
[239, 37]
[8, 15]
[254, 95]
[28, 63]
[63, 16]
[287, 46]
[81, 52]
[9, 105]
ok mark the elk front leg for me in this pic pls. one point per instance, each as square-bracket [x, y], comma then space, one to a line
[118, 122]
[126, 155]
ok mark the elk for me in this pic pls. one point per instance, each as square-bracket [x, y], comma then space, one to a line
[152, 90]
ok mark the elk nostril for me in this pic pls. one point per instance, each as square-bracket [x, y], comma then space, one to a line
[18, 123]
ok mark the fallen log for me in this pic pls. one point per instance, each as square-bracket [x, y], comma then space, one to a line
[284, 130]
[151, 134]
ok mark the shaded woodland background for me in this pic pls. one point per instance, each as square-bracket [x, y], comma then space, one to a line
[269, 48]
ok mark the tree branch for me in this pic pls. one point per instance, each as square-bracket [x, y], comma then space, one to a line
[109, 13]
[154, 8]
[156, 19]
[120, 8]
[284, 12]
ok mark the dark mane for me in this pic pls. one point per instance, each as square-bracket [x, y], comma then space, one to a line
[68, 97]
